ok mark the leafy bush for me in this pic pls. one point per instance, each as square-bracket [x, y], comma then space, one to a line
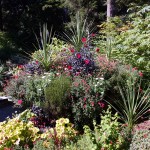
[140, 140]
[126, 39]
[87, 94]
[28, 88]
[18, 131]
[131, 46]
[56, 94]
[105, 135]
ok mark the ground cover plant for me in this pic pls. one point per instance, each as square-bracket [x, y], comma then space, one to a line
[76, 96]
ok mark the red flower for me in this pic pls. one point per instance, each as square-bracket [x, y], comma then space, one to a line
[20, 66]
[83, 39]
[85, 45]
[78, 55]
[97, 49]
[86, 61]
[140, 74]
[16, 77]
[135, 68]
[84, 106]
[93, 34]
[36, 62]
[92, 103]
[102, 105]
[20, 101]
[145, 135]
[69, 67]
[72, 50]
[140, 90]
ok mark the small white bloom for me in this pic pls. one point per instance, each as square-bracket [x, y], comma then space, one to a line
[43, 77]
[101, 78]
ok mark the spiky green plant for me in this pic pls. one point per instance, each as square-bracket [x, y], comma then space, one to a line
[77, 32]
[45, 51]
[134, 102]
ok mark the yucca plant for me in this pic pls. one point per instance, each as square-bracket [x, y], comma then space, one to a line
[76, 32]
[134, 103]
[45, 51]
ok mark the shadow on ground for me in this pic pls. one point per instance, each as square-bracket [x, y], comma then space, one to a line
[7, 111]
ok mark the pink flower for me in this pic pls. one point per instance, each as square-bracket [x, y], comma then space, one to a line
[93, 34]
[20, 101]
[83, 39]
[97, 49]
[140, 74]
[84, 99]
[92, 103]
[78, 55]
[36, 62]
[133, 69]
[86, 61]
[77, 73]
[102, 105]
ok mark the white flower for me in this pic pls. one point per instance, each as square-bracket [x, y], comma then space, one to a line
[101, 78]
[43, 77]
[17, 142]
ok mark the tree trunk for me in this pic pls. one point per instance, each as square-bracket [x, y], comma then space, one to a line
[1, 17]
[110, 8]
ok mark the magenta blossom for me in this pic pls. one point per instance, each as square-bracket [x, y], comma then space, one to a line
[78, 55]
[102, 105]
[83, 39]
[20, 101]
[86, 61]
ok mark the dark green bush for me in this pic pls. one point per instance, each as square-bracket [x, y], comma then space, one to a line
[56, 94]
[7, 47]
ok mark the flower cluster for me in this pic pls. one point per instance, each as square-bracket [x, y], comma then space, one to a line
[81, 61]
[63, 129]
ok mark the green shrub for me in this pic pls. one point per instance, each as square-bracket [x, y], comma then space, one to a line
[140, 140]
[106, 135]
[87, 93]
[128, 39]
[28, 88]
[56, 94]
